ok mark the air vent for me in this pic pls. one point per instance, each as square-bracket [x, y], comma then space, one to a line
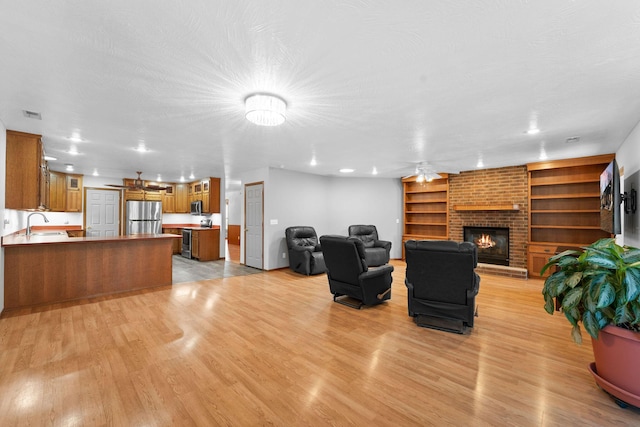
[32, 115]
[573, 139]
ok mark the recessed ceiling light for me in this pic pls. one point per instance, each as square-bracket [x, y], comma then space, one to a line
[95, 172]
[50, 158]
[313, 162]
[192, 176]
[69, 167]
[73, 151]
[374, 171]
[346, 170]
[533, 131]
[141, 148]
[182, 179]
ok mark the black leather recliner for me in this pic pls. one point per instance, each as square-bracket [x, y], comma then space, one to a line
[305, 253]
[349, 274]
[377, 250]
[441, 283]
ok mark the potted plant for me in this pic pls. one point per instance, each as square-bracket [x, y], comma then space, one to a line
[599, 287]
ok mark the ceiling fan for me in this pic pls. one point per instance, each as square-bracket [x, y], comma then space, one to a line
[424, 172]
[138, 184]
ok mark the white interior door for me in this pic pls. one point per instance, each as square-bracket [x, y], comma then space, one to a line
[253, 220]
[102, 217]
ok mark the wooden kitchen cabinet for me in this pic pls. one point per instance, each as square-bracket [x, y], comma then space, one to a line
[65, 192]
[182, 198]
[177, 243]
[27, 174]
[73, 193]
[168, 198]
[130, 194]
[195, 244]
[205, 244]
[211, 195]
[57, 191]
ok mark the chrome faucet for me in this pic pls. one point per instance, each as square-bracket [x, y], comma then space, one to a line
[29, 221]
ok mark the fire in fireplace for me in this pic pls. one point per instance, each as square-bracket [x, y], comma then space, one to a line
[492, 243]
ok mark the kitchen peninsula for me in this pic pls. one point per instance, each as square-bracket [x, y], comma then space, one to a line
[50, 269]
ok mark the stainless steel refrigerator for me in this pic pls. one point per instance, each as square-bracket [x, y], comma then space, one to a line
[144, 217]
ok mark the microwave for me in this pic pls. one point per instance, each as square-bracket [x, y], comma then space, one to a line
[196, 207]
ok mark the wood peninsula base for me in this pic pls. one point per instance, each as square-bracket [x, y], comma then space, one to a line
[78, 268]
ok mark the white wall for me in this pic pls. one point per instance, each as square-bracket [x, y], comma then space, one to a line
[628, 157]
[329, 204]
[376, 201]
[235, 207]
[292, 199]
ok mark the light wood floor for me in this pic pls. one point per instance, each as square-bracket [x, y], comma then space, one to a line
[273, 349]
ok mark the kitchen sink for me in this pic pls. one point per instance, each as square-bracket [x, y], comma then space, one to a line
[47, 233]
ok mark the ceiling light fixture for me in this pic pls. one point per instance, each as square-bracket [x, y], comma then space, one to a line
[346, 170]
[265, 110]
[95, 172]
[533, 131]
[69, 167]
[50, 158]
[426, 174]
[374, 171]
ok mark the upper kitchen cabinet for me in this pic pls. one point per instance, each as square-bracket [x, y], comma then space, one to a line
[211, 195]
[182, 198]
[57, 191]
[74, 193]
[168, 196]
[130, 193]
[27, 175]
[65, 192]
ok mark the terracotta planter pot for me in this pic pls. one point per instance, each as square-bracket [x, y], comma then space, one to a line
[617, 366]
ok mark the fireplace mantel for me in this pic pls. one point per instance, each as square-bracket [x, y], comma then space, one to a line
[513, 207]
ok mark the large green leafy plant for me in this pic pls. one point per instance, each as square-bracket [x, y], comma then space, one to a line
[597, 287]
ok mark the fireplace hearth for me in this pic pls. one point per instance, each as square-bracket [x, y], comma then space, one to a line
[492, 243]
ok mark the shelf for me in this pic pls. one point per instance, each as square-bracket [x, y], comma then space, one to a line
[426, 223]
[561, 211]
[423, 237]
[425, 201]
[567, 227]
[566, 196]
[556, 181]
[513, 207]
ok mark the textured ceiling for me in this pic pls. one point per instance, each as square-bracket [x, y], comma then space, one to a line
[369, 84]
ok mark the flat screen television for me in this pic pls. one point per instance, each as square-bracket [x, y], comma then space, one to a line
[610, 199]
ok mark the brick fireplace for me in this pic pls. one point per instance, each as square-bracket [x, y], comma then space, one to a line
[494, 198]
[492, 243]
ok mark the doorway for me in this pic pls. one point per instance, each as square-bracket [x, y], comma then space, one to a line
[102, 212]
[254, 223]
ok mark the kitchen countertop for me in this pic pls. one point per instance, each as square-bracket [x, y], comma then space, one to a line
[22, 240]
[191, 226]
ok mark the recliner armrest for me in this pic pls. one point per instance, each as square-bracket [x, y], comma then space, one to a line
[476, 287]
[376, 272]
[382, 244]
[303, 248]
